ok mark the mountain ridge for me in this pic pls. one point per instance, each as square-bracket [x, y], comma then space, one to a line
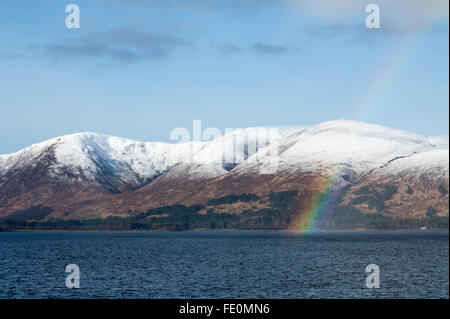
[88, 175]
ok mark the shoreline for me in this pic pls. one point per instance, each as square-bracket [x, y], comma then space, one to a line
[219, 231]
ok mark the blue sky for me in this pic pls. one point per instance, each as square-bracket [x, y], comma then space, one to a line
[139, 69]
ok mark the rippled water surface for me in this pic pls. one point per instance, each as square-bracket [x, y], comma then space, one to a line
[225, 264]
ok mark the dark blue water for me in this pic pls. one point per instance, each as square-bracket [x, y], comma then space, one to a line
[225, 264]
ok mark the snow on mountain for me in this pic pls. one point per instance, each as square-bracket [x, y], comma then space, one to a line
[193, 171]
[240, 144]
[433, 164]
[440, 142]
[356, 146]
[91, 155]
[23, 158]
[146, 160]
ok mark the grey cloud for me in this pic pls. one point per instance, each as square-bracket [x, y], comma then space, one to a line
[331, 31]
[6, 56]
[114, 46]
[226, 48]
[268, 49]
[398, 18]
[358, 33]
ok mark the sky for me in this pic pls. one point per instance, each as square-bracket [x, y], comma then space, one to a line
[141, 68]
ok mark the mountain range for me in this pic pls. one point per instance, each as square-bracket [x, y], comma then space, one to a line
[360, 170]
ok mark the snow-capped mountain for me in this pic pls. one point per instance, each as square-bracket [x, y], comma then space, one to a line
[353, 146]
[91, 156]
[99, 173]
[357, 145]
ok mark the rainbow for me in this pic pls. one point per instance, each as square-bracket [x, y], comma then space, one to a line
[390, 68]
[320, 202]
[392, 65]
